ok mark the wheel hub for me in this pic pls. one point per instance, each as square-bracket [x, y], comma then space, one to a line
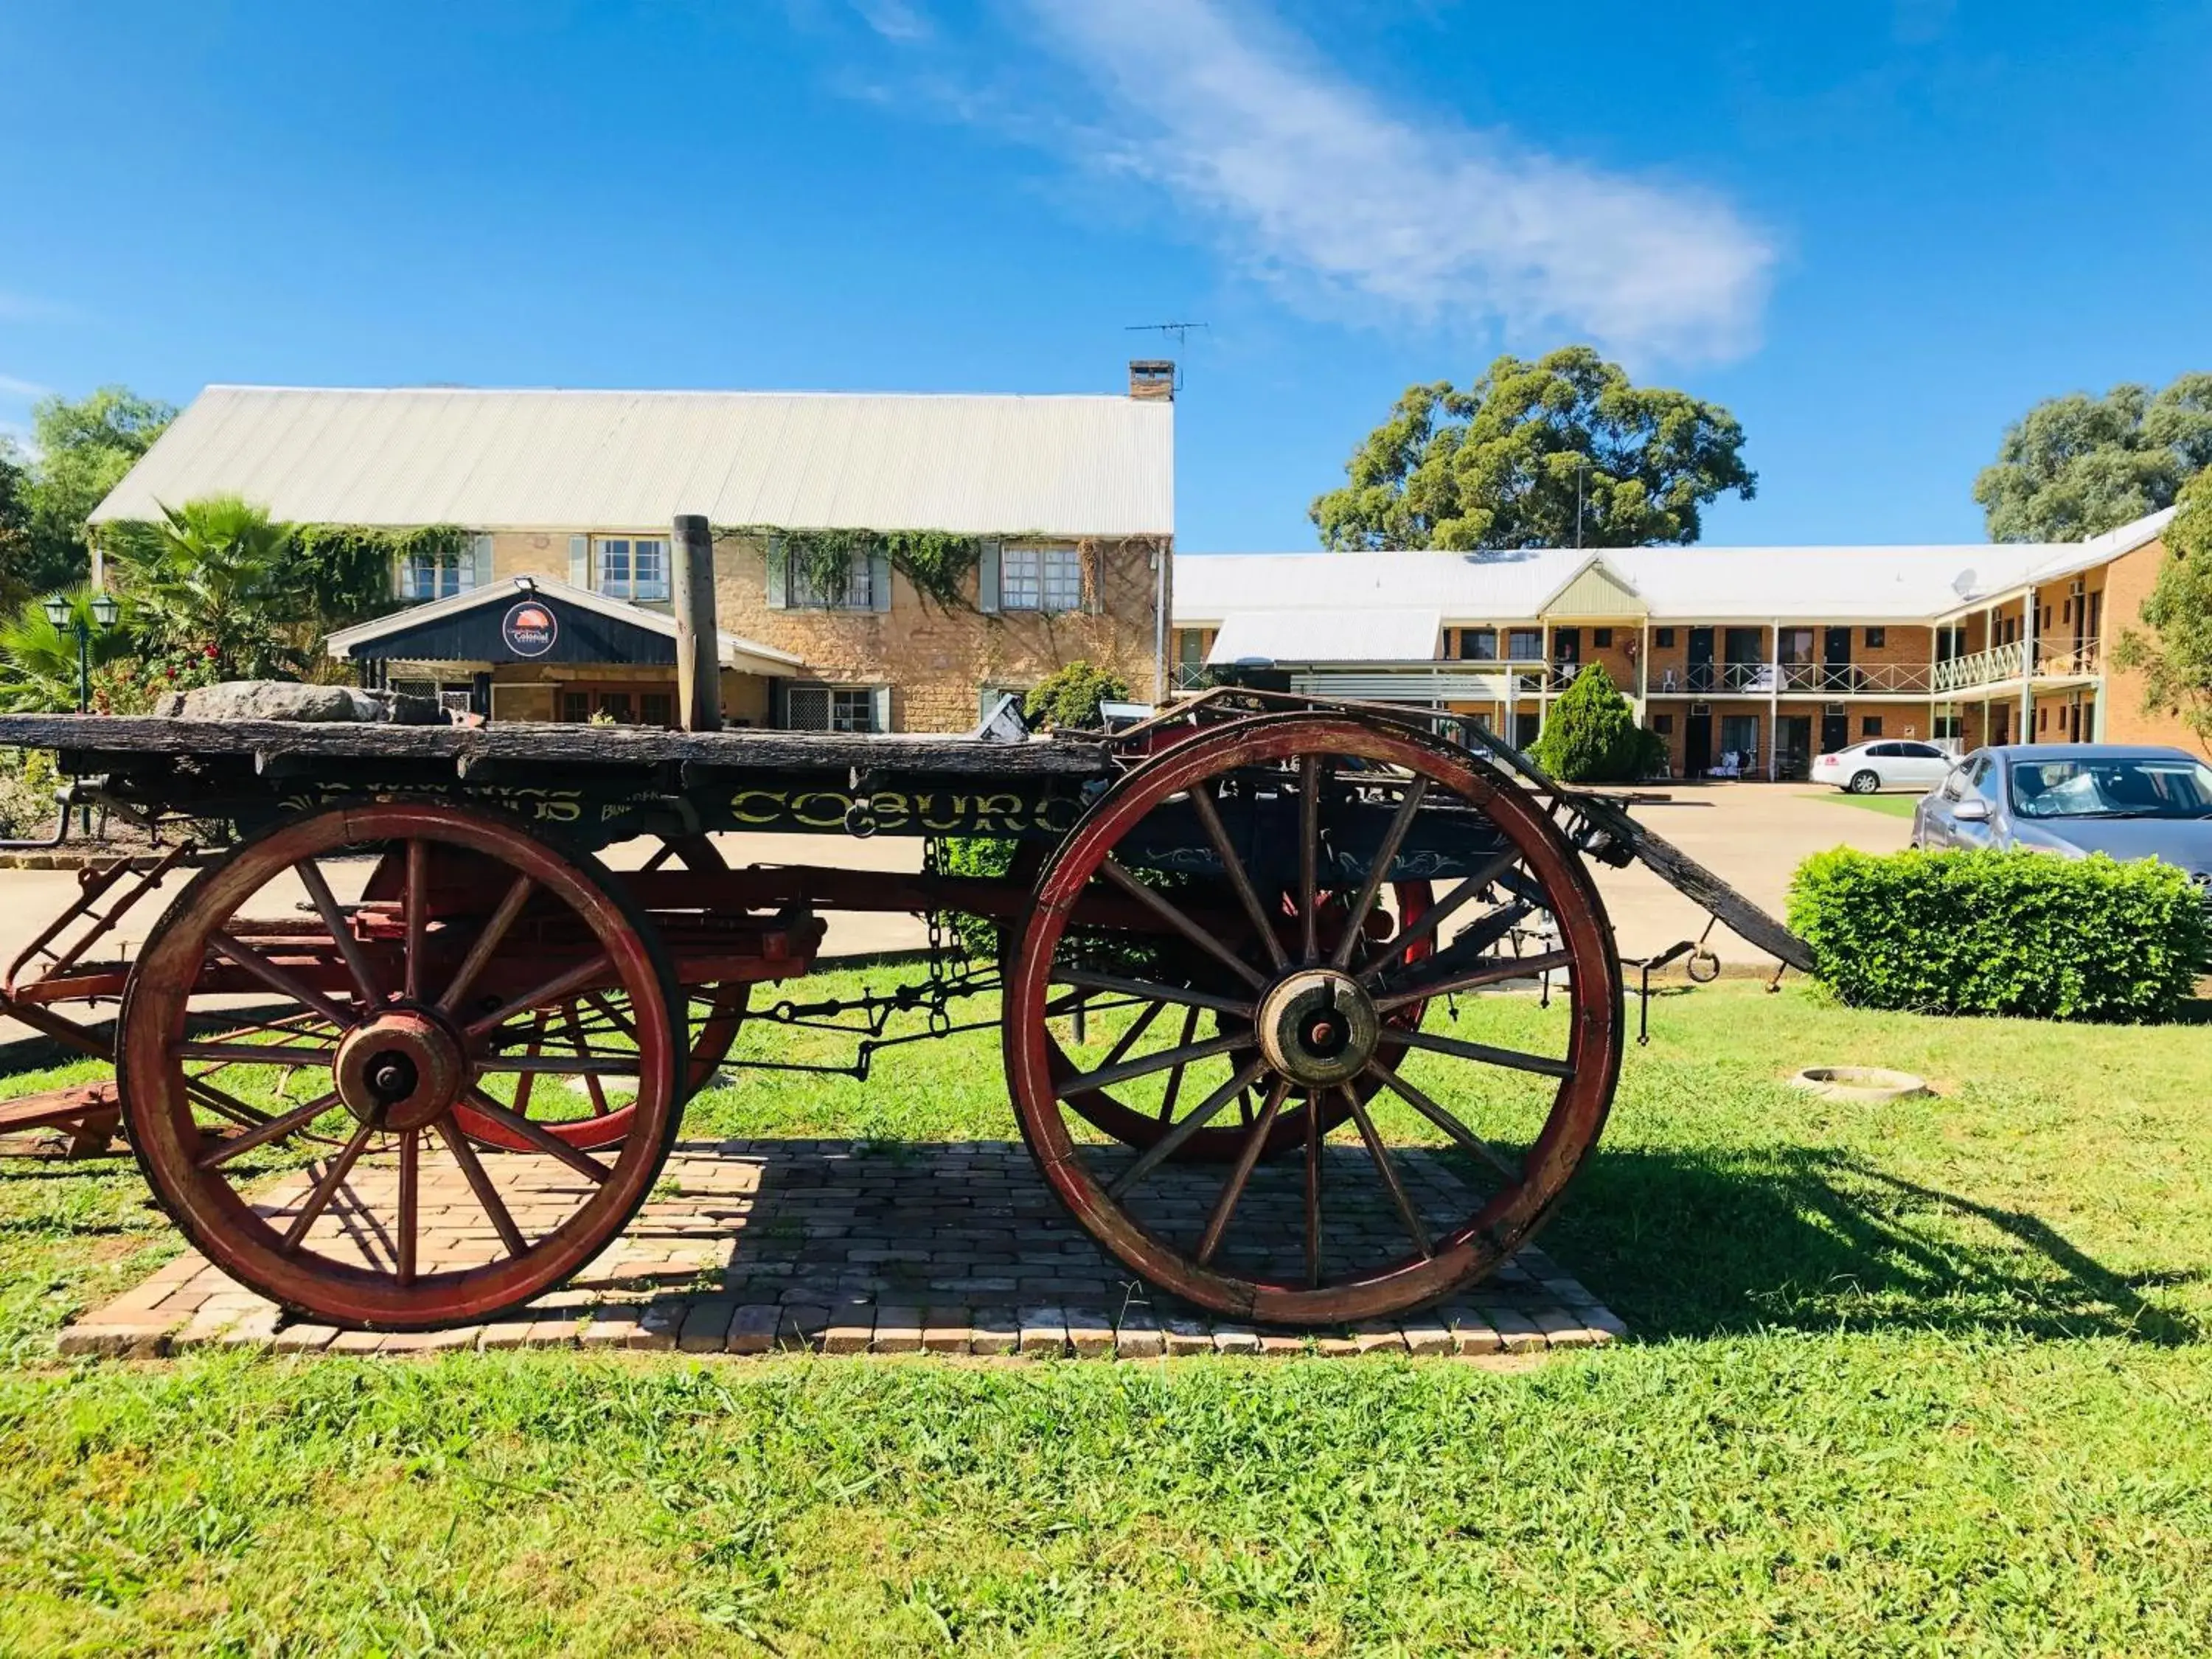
[401, 1069]
[1318, 1027]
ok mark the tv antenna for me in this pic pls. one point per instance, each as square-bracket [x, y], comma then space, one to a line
[1179, 331]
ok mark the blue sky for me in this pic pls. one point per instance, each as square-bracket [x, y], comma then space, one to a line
[1875, 231]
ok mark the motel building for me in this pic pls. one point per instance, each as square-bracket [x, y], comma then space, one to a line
[550, 596]
[1748, 661]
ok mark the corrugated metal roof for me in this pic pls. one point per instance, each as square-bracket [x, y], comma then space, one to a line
[1790, 584]
[581, 460]
[1389, 634]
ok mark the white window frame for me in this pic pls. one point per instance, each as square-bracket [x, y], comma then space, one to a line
[446, 573]
[1043, 576]
[849, 708]
[860, 592]
[628, 587]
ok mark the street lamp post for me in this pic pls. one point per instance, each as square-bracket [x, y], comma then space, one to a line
[63, 614]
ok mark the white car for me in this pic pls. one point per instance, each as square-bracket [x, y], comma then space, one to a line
[1885, 763]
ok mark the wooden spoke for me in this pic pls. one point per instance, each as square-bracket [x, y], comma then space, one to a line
[592, 1086]
[1313, 1195]
[1386, 854]
[1151, 990]
[228, 1105]
[1138, 1027]
[261, 1134]
[524, 1083]
[410, 1160]
[472, 1170]
[1174, 1077]
[1486, 970]
[1105, 1077]
[326, 1188]
[1386, 1167]
[282, 981]
[552, 1145]
[1513, 1058]
[1438, 913]
[366, 989]
[418, 914]
[617, 1020]
[1310, 856]
[255, 1054]
[1151, 900]
[558, 989]
[487, 944]
[1468, 1140]
[561, 1065]
[1209, 816]
[1225, 1206]
[1164, 1148]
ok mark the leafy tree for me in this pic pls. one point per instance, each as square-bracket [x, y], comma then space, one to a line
[2175, 657]
[2074, 465]
[214, 588]
[1499, 464]
[14, 524]
[1591, 735]
[1069, 696]
[84, 449]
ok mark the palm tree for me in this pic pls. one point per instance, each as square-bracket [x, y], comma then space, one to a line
[218, 582]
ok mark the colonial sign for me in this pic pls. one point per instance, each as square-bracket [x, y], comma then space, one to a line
[530, 628]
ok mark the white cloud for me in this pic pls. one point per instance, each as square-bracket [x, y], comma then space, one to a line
[895, 20]
[12, 387]
[1306, 180]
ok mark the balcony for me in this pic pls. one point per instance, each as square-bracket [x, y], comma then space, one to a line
[2061, 659]
[1806, 680]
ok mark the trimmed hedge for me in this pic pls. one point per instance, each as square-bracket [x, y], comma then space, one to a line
[1992, 932]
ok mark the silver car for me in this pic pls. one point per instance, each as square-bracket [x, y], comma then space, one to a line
[2077, 799]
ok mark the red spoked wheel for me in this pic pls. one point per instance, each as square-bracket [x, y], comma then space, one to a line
[408, 1006]
[592, 1110]
[1509, 1103]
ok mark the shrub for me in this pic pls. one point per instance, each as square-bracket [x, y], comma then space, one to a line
[1993, 933]
[1069, 696]
[1591, 735]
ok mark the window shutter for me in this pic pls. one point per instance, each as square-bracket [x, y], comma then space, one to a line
[879, 584]
[1097, 594]
[882, 697]
[480, 552]
[779, 575]
[987, 579]
[580, 560]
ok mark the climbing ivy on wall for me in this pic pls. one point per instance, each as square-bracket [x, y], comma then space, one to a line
[346, 569]
[936, 562]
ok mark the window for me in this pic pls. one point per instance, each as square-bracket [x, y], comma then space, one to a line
[835, 707]
[1664, 724]
[1876, 638]
[1918, 752]
[1664, 638]
[1600, 637]
[431, 575]
[633, 567]
[656, 709]
[1477, 644]
[1048, 578]
[857, 592]
[1524, 645]
[1948, 726]
[1190, 647]
[1870, 726]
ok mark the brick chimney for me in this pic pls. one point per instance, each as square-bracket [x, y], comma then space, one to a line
[1152, 379]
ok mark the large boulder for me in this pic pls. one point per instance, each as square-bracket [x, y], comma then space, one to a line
[288, 700]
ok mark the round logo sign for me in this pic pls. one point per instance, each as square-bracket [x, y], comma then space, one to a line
[530, 629]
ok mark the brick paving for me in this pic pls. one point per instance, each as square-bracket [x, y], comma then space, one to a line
[750, 1247]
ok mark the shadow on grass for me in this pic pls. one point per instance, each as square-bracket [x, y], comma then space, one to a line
[1816, 1240]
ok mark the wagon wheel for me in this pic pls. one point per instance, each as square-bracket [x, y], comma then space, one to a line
[1187, 967]
[592, 1111]
[1354, 1229]
[417, 1005]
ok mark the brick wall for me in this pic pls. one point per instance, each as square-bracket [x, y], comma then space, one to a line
[2127, 582]
[937, 664]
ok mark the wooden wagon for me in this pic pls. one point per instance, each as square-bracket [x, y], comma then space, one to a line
[1234, 945]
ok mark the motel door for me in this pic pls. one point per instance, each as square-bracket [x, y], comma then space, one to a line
[1701, 662]
[1697, 734]
[1793, 736]
[1836, 666]
[1835, 730]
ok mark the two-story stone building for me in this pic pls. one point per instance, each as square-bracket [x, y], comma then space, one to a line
[1747, 660]
[553, 602]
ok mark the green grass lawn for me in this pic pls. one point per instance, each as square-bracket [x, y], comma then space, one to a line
[1925, 1377]
[1890, 806]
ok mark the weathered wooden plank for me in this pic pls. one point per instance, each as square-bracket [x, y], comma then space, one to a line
[96, 735]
